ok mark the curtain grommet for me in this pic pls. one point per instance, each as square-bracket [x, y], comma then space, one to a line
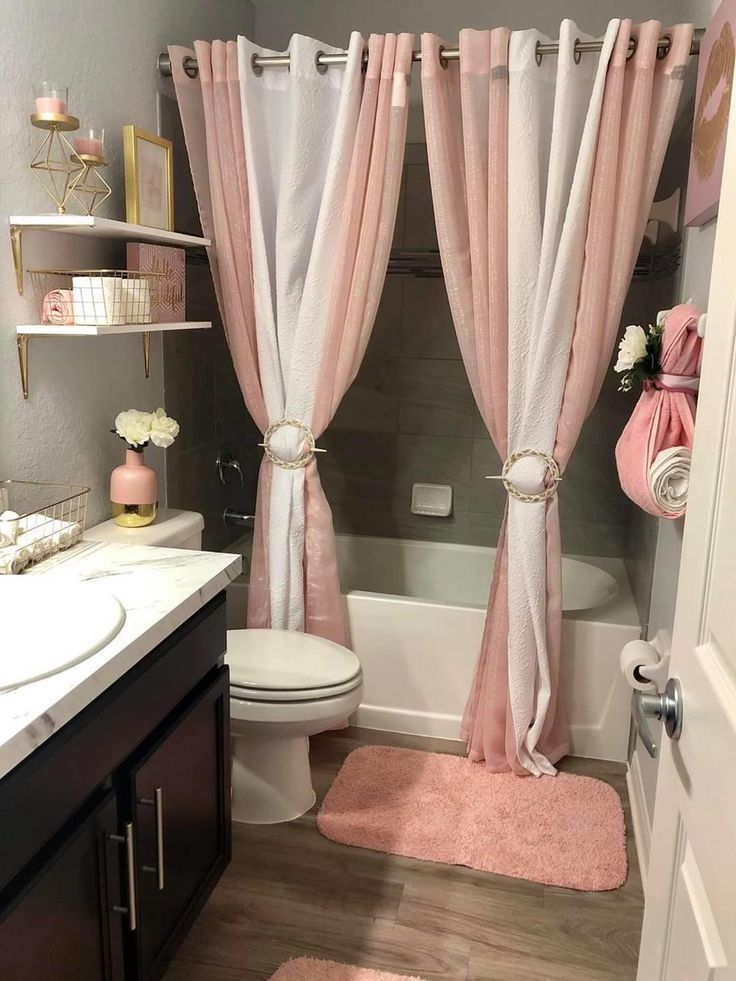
[664, 49]
[278, 461]
[577, 54]
[553, 476]
[633, 45]
[538, 53]
[321, 69]
[444, 63]
[255, 67]
[189, 65]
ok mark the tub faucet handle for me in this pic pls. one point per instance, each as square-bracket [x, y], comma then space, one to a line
[226, 461]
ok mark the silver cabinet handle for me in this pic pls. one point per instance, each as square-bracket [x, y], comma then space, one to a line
[158, 809]
[131, 909]
[665, 706]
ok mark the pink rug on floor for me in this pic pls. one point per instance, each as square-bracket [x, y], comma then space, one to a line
[309, 969]
[565, 830]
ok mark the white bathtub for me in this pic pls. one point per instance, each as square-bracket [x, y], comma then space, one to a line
[416, 610]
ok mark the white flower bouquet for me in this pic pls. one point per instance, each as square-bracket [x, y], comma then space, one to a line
[139, 428]
[638, 355]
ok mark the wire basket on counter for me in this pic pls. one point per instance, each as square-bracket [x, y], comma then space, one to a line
[93, 297]
[38, 520]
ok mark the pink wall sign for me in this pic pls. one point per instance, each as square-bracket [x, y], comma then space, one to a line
[712, 101]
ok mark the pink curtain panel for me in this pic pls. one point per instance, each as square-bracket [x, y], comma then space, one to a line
[653, 452]
[583, 259]
[225, 179]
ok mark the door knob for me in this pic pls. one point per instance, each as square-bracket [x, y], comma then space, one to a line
[665, 706]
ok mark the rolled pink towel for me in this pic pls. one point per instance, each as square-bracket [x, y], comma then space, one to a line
[58, 308]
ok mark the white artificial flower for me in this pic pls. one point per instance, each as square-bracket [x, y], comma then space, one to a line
[134, 426]
[164, 429]
[633, 348]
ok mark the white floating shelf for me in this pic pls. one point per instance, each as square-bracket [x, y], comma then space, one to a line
[24, 333]
[105, 228]
[100, 330]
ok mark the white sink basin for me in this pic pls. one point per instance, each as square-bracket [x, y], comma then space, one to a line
[47, 625]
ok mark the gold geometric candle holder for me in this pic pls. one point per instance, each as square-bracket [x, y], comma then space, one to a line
[56, 162]
[88, 187]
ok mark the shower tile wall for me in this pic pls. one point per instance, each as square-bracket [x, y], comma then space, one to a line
[410, 417]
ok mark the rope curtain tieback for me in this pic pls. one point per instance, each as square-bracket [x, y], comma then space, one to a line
[304, 459]
[552, 479]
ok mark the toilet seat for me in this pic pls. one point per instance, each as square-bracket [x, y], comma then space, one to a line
[287, 666]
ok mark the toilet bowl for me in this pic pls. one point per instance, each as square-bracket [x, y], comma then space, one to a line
[284, 687]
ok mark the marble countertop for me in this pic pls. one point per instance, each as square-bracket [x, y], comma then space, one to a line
[159, 588]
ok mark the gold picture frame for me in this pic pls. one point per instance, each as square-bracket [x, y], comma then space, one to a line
[149, 178]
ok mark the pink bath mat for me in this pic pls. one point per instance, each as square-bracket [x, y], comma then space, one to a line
[565, 830]
[309, 969]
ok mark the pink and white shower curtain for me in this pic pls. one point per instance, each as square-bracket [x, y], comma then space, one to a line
[297, 174]
[543, 171]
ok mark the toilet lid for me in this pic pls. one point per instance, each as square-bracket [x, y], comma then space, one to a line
[284, 660]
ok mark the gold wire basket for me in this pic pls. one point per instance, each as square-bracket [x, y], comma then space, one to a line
[37, 520]
[93, 297]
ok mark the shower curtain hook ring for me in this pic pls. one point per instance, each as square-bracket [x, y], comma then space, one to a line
[663, 49]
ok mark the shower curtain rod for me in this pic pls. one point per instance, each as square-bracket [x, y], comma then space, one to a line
[259, 62]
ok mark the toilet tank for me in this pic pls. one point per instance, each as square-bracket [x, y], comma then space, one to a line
[171, 529]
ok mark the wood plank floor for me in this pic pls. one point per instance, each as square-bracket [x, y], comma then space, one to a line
[289, 892]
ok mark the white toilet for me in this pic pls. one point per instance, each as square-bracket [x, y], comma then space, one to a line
[284, 687]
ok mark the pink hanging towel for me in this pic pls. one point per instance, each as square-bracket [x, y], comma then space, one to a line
[653, 453]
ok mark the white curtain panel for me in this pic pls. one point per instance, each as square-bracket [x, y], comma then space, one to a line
[300, 127]
[554, 116]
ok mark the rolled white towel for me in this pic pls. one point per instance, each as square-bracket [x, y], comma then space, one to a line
[13, 560]
[9, 526]
[42, 535]
[669, 479]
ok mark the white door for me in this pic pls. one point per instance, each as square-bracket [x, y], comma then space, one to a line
[689, 929]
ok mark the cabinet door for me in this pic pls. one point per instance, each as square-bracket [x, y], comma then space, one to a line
[180, 796]
[62, 925]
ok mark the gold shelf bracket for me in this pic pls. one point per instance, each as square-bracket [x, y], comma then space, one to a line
[22, 342]
[147, 352]
[16, 243]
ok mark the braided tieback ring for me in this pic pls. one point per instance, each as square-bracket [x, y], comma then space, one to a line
[553, 476]
[304, 459]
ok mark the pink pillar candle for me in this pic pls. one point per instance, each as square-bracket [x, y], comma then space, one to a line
[90, 146]
[46, 103]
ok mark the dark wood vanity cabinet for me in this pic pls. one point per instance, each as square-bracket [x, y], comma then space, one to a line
[103, 883]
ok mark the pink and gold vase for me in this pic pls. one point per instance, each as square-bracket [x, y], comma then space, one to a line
[134, 492]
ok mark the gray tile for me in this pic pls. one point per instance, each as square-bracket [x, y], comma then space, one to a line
[435, 398]
[358, 471]
[434, 459]
[369, 405]
[385, 340]
[487, 497]
[419, 231]
[193, 485]
[427, 330]
[590, 490]
[592, 538]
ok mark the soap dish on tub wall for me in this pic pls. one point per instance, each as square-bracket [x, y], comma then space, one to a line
[434, 500]
[37, 520]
